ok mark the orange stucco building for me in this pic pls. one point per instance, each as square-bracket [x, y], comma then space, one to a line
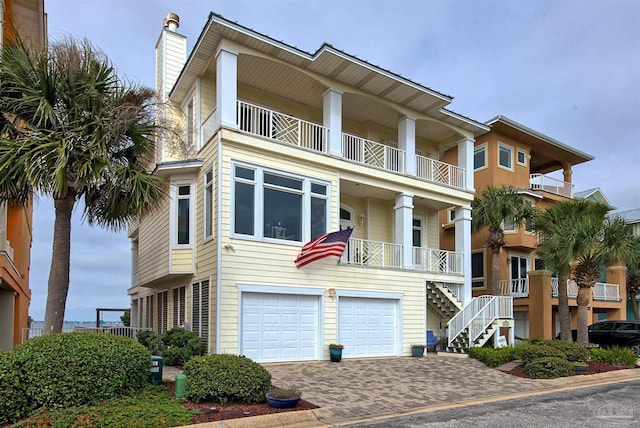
[26, 19]
[541, 167]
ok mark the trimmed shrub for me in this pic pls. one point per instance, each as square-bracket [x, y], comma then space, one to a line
[179, 346]
[598, 355]
[492, 357]
[572, 350]
[534, 352]
[151, 341]
[549, 367]
[225, 378]
[14, 404]
[74, 369]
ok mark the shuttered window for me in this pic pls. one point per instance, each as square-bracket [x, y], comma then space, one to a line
[149, 313]
[162, 311]
[179, 299]
[200, 311]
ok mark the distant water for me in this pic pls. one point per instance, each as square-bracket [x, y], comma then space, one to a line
[69, 325]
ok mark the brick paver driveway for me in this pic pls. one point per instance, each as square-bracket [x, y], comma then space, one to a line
[362, 388]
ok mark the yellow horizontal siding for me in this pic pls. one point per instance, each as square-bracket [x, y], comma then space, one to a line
[181, 260]
[153, 244]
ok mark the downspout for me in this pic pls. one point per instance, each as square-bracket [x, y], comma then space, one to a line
[218, 241]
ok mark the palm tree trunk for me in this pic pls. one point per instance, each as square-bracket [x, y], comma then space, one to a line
[634, 305]
[60, 260]
[563, 309]
[495, 271]
[583, 322]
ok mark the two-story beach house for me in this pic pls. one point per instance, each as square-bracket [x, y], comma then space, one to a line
[27, 20]
[279, 147]
[541, 167]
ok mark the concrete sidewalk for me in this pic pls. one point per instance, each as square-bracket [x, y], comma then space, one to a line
[368, 389]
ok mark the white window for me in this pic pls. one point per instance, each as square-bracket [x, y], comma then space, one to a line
[509, 225]
[208, 203]
[200, 310]
[275, 205]
[417, 232]
[182, 214]
[505, 156]
[480, 157]
[521, 157]
[451, 215]
[477, 269]
[179, 299]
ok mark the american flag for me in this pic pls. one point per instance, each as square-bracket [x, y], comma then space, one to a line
[329, 244]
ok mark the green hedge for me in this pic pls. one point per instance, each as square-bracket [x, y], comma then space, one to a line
[225, 378]
[573, 351]
[73, 369]
[14, 404]
[621, 357]
[549, 367]
[534, 352]
[493, 357]
[176, 346]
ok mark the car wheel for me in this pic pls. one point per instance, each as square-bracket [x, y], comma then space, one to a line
[635, 347]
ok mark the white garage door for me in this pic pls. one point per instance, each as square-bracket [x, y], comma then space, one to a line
[368, 327]
[279, 327]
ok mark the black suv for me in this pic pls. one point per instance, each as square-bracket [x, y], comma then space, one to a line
[616, 333]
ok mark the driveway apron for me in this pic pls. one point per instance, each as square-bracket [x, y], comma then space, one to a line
[361, 388]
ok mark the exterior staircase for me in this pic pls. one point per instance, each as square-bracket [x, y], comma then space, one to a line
[477, 322]
[471, 325]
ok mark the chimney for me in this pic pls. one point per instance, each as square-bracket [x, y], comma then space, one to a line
[171, 55]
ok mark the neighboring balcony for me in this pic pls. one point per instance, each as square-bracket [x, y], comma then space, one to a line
[606, 292]
[387, 255]
[291, 130]
[515, 287]
[550, 185]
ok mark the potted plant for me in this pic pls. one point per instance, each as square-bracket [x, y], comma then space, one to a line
[335, 352]
[417, 350]
[283, 398]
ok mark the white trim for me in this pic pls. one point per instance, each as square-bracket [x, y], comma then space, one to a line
[526, 155]
[485, 148]
[204, 204]
[280, 289]
[173, 213]
[218, 244]
[369, 294]
[506, 146]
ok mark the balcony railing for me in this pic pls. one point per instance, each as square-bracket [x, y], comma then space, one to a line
[374, 154]
[572, 288]
[208, 128]
[440, 172]
[372, 253]
[281, 127]
[515, 287]
[131, 332]
[551, 185]
[440, 261]
[606, 292]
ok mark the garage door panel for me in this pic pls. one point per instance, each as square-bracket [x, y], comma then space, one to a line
[367, 326]
[279, 327]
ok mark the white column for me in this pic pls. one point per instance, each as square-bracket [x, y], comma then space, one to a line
[332, 119]
[463, 245]
[465, 160]
[404, 228]
[226, 88]
[407, 142]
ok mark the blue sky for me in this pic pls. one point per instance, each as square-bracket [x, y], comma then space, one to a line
[568, 69]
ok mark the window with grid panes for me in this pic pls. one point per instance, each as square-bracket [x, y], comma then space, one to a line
[162, 311]
[200, 310]
[179, 299]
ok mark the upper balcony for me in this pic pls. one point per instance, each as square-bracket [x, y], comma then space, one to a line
[291, 130]
[519, 288]
[551, 185]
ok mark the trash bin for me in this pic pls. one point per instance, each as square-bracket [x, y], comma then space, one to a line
[156, 369]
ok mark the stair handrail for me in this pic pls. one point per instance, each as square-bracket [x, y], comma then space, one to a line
[485, 308]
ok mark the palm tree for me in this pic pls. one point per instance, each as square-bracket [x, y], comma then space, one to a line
[633, 275]
[490, 210]
[73, 130]
[612, 242]
[560, 245]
